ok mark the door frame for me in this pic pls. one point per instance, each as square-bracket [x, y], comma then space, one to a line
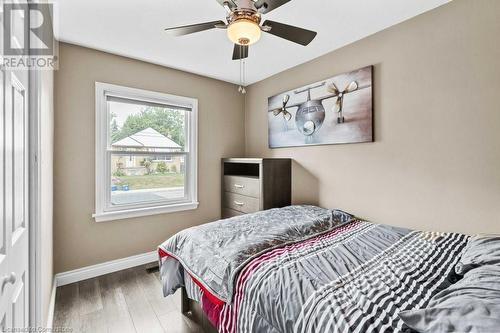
[36, 308]
[35, 241]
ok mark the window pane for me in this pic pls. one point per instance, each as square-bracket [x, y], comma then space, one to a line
[139, 179]
[146, 127]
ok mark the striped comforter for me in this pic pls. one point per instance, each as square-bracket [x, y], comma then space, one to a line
[356, 277]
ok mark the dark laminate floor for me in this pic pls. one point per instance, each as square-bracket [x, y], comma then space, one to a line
[121, 302]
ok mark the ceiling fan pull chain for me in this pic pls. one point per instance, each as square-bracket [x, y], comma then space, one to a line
[243, 90]
[240, 88]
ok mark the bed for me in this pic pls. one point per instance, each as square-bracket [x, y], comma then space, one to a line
[308, 269]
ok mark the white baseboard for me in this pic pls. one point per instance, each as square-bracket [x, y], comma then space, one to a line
[52, 305]
[89, 272]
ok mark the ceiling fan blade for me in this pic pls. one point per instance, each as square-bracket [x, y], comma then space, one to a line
[265, 6]
[189, 29]
[240, 52]
[291, 33]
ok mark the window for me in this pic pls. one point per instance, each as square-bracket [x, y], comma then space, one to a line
[164, 158]
[146, 160]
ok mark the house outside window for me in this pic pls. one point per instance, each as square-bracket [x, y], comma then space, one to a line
[146, 153]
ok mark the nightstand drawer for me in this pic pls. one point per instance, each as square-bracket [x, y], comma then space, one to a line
[241, 203]
[248, 186]
[228, 212]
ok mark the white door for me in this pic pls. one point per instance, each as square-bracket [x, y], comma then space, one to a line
[14, 225]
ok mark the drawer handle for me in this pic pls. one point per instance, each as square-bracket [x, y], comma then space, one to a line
[239, 186]
[238, 203]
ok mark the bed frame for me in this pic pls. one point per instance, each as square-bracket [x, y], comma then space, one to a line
[192, 310]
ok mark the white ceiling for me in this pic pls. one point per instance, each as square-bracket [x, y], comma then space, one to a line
[134, 28]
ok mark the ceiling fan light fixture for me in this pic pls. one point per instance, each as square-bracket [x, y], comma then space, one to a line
[244, 32]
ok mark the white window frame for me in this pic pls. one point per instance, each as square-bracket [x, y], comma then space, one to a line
[104, 212]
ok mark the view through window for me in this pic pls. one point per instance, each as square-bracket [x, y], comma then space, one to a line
[147, 149]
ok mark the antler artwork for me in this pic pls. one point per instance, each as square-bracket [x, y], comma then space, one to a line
[332, 88]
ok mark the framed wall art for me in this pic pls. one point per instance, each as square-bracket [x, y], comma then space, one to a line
[332, 111]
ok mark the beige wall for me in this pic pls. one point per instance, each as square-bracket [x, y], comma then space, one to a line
[80, 241]
[435, 162]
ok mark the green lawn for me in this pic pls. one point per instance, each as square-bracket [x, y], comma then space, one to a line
[152, 181]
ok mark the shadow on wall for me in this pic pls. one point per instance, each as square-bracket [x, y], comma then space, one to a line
[305, 186]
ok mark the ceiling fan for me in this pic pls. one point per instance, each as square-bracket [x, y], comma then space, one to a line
[243, 25]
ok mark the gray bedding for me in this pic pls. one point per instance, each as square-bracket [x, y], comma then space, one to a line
[470, 305]
[311, 270]
[213, 253]
[480, 250]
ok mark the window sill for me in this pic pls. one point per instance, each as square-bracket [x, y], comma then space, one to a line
[148, 211]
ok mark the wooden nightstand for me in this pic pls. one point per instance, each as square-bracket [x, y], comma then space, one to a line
[253, 184]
